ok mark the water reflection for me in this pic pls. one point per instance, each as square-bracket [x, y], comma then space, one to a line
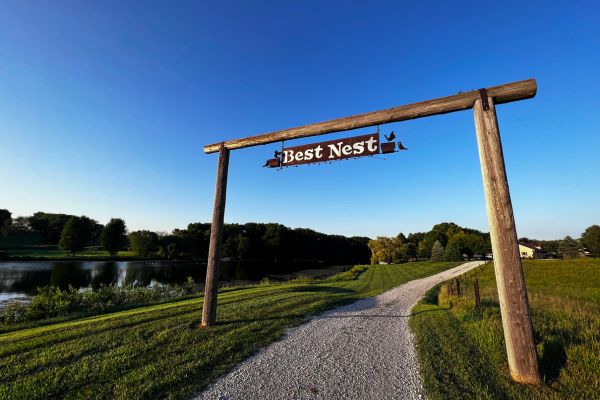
[24, 277]
[106, 273]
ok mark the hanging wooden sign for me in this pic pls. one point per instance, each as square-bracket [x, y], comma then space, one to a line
[357, 146]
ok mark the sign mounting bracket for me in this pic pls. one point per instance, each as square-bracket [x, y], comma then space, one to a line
[484, 99]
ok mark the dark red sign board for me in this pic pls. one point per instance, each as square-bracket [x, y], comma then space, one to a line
[339, 149]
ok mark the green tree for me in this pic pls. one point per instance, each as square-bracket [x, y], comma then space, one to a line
[73, 235]
[422, 250]
[409, 250]
[591, 240]
[401, 237]
[477, 243]
[143, 243]
[415, 238]
[86, 228]
[437, 251]
[459, 240]
[550, 246]
[386, 249]
[569, 247]
[48, 225]
[114, 236]
[5, 221]
[452, 253]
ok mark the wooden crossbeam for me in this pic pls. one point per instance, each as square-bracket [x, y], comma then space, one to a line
[500, 94]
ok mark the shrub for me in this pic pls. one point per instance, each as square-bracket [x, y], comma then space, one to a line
[350, 275]
[301, 279]
[13, 313]
[265, 281]
[53, 302]
[190, 286]
[50, 301]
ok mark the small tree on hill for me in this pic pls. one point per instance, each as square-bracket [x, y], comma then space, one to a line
[437, 251]
[114, 236]
[72, 237]
[591, 240]
[452, 253]
[569, 247]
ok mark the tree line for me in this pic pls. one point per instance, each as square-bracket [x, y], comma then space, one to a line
[269, 241]
[251, 241]
[450, 242]
[446, 241]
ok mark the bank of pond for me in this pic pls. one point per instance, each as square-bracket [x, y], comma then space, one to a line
[52, 303]
[20, 280]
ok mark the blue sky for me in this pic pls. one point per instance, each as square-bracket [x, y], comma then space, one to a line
[105, 108]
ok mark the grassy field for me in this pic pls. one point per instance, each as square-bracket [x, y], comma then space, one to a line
[55, 253]
[462, 350]
[158, 352]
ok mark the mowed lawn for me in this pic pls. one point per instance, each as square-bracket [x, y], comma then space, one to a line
[462, 350]
[158, 351]
[54, 252]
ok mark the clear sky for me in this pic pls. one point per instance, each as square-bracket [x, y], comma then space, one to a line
[105, 107]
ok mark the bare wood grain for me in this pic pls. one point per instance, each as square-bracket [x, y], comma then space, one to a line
[211, 288]
[512, 293]
[501, 94]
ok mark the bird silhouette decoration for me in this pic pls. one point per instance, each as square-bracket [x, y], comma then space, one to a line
[277, 154]
[401, 146]
[391, 137]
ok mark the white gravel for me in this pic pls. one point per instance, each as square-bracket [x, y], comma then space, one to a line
[361, 351]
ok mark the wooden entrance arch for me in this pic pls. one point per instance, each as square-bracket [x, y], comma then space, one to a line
[512, 293]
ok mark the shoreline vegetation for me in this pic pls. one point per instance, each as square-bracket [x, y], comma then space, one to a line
[52, 304]
[461, 349]
[158, 351]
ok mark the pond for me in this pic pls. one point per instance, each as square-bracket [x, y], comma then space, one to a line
[20, 279]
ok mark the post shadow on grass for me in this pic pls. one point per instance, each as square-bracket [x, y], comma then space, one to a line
[195, 323]
[553, 357]
[358, 305]
[451, 365]
[432, 296]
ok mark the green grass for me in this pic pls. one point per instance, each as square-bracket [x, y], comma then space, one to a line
[55, 253]
[462, 351]
[158, 351]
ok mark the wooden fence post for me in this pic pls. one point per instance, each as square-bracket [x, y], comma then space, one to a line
[211, 289]
[476, 290]
[457, 282]
[514, 306]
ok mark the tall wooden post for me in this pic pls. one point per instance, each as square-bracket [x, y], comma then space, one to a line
[514, 306]
[209, 311]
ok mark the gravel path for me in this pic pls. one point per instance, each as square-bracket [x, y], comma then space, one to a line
[360, 351]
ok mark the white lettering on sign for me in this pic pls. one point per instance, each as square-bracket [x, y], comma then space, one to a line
[356, 146]
[288, 156]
